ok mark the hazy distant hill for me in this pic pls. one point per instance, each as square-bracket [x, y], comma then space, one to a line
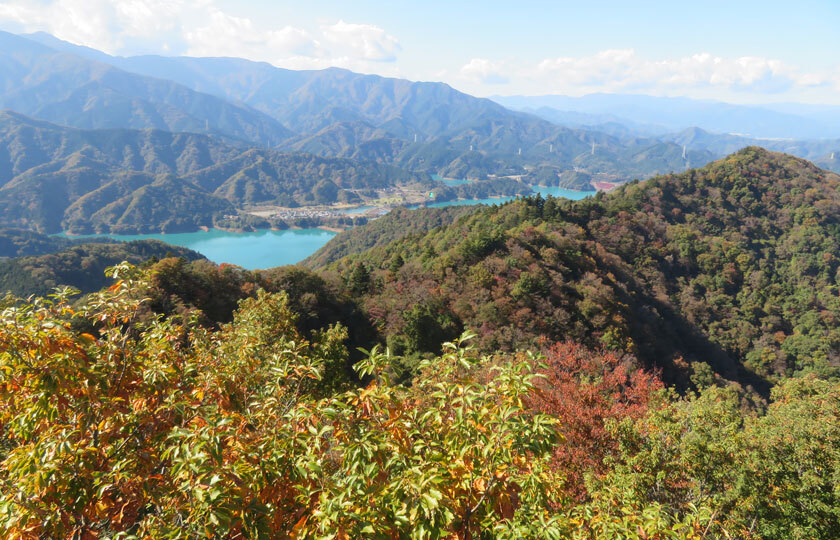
[416, 125]
[792, 121]
[308, 101]
[71, 90]
[819, 151]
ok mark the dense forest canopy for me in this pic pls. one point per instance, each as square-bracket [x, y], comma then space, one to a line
[659, 362]
[82, 265]
[116, 422]
[731, 269]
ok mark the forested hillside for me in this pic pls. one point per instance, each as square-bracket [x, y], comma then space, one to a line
[658, 359]
[239, 391]
[22, 242]
[163, 427]
[393, 226]
[728, 269]
[81, 266]
[54, 178]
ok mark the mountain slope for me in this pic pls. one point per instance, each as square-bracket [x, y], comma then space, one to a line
[82, 266]
[22, 243]
[55, 178]
[71, 90]
[393, 226]
[734, 265]
[422, 126]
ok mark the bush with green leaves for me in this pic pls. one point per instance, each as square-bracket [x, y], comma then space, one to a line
[159, 428]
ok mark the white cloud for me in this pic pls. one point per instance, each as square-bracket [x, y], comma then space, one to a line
[622, 70]
[225, 35]
[201, 28]
[362, 41]
[485, 71]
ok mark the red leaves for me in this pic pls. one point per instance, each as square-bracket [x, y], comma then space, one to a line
[584, 390]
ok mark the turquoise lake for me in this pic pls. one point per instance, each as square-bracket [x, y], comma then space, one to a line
[267, 249]
[251, 250]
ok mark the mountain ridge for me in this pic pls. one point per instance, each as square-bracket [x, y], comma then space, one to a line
[721, 265]
[55, 178]
[64, 88]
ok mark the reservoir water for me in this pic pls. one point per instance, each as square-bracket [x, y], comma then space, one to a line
[267, 249]
[251, 250]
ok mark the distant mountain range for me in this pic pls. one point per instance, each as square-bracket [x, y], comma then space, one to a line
[71, 90]
[806, 131]
[416, 125]
[650, 115]
[823, 152]
[153, 143]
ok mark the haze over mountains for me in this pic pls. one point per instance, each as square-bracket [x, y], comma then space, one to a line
[66, 89]
[660, 115]
[201, 138]
[315, 106]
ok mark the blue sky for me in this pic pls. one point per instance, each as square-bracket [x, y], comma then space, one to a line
[739, 51]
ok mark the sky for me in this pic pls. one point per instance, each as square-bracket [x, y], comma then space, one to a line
[740, 51]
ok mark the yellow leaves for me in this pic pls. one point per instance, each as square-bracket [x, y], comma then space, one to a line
[338, 464]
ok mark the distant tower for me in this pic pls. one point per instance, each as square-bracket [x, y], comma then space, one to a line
[832, 155]
[593, 148]
[470, 148]
[683, 151]
[550, 148]
[520, 151]
[415, 137]
[207, 125]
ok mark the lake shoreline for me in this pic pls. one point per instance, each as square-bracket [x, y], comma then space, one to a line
[252, 250]
[370, 212]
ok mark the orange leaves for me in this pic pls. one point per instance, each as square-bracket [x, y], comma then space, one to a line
[116, 286]
[479, 485]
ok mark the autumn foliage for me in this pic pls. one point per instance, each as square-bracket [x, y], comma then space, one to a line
[158, 428]
[116, 423]
[584, 390]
